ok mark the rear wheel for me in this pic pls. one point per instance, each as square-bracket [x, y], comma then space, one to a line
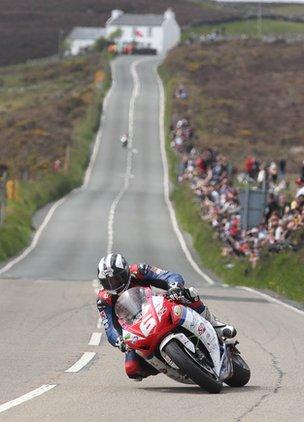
[241, 372]
[201, 374]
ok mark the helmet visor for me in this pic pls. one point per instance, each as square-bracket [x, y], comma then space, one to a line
[116, 283]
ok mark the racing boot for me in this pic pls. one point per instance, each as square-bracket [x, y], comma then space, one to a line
[222, 329]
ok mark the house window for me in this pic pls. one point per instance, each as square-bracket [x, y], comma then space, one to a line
[149, 31]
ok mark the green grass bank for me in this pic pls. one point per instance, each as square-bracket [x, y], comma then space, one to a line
[248, 27]
[81, 108]
[281, 273]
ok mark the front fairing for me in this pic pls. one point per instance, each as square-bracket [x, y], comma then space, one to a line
[144, 327]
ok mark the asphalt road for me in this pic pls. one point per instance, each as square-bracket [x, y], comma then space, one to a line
[47, 300]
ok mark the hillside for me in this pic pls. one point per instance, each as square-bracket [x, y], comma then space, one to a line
[39, 107]
[245, 97]
[49, 114]
[242, 98]
[30, 28]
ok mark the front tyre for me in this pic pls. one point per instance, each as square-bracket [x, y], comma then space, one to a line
[205, 378]
[241, 372]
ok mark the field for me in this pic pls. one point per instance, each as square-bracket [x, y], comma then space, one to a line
[245, 97]
[30, 29]
[248, 28]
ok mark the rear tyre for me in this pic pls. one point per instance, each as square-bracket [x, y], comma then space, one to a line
[187, 364]
[241, 372]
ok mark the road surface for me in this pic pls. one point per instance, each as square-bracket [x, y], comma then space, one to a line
[54, 368]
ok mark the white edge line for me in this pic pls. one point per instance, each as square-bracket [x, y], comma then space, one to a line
[166, 184]
[95, 339]
[272, 299]
[84, 186]
[26, 397]
[82, 362]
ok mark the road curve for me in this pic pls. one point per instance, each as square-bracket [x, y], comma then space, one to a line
[47, 301]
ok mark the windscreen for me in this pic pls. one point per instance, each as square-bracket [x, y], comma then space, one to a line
[132, 305]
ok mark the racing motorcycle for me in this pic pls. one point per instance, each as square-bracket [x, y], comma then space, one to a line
[178, 341]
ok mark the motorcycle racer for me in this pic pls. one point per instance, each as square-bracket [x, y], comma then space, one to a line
[116, 276]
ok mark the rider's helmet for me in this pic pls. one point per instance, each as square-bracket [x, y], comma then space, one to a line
[114, 273]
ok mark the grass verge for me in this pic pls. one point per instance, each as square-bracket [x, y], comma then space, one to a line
[281, 273]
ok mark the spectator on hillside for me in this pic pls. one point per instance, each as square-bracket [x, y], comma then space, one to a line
[300, 183]
[282, 168]
[262, 176]
[272, 206]
[181, 92]
[249, 166]
[302, 169]
[273, 172]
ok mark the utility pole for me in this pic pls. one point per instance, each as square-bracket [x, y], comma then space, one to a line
[259, 20]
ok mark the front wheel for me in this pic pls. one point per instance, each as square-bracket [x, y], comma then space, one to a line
[241, 372]
[201, 375]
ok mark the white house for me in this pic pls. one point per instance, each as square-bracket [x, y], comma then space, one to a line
[81, 38]
[159, 32]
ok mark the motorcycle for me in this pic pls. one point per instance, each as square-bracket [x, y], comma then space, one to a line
[124, 141]
[178, 341]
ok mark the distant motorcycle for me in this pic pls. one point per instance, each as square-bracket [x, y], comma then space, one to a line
[124, 141]
[179, 342]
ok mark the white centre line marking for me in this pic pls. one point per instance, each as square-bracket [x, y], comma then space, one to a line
[26, 397]
[99, 323]
[128, 172]
[95, 339]
[82, 362]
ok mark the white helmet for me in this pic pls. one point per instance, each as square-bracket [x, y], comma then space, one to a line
[114, 273]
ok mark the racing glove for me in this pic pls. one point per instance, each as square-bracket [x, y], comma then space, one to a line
[176, 293]
[183, 294]
[121, 345]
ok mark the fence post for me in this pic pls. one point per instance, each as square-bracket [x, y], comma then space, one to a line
[2, 204]
[246, 207]
[3, 178]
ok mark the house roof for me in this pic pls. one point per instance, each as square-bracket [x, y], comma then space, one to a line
[86, 33]
[138, 20]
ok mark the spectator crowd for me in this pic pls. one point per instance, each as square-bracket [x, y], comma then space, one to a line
[210, 176]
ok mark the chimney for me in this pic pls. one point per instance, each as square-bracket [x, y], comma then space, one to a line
[169, 14]
[115, 14]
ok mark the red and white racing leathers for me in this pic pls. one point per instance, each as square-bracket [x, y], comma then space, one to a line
[141, 275]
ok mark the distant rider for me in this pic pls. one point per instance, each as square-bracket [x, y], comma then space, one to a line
[124, 140]
[116, 276]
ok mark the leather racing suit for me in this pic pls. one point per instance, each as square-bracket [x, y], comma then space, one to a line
[141, 275]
